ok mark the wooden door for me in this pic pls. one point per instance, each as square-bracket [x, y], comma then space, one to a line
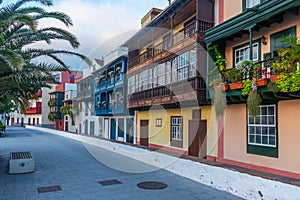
[66, 126]
[144, 132]
[197, 138]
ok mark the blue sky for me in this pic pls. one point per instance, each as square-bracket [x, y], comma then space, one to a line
[100, 25]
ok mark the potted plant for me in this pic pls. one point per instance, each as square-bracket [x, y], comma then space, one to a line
[104, 103]
[122, 99]
[219, 82]
[97, 80]
[99, 104]
[118, 69]
[111, 74]
[103, 77]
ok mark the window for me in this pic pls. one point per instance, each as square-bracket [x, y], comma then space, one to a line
[277, 37]
[136, 83]
[166, 42]
[183, 66]
[243, 53]
[192, 63]
[159, 75]
[262, 132]
[86, 109]
[174, 70]
[251, 3]
[168, 72]
[144, 80]
[158, 122]
[176, 131]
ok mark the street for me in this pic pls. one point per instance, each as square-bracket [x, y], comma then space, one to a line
[68, 164]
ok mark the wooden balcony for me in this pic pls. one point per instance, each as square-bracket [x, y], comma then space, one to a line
[180, 94]
[183, 38]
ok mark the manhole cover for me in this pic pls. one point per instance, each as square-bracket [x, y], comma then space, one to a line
[152, 185]
[49, 189]
[109, 182]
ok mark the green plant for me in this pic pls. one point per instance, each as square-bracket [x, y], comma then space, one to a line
[246, 69]
[247, 86]
[2, 126]
[294, 81]
[51, 116]
[233, 75]
[219, 60]
[219, 101]
[253, 103]
[66, 110]
[273, 87]
[51, 103]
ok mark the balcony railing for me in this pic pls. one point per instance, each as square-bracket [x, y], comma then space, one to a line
[187, 32]
[195, 88]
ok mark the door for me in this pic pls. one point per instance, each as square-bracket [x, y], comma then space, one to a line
[129, 130]
[197, 138]
[106, 128]
[121, 135]
[144, 132]
[113, 135]
[29, 121]
[12, 121]
[66, 126]
[22, 121]
[33, 121]
[92, 128]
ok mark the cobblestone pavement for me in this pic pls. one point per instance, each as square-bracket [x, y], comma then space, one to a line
[67, 163]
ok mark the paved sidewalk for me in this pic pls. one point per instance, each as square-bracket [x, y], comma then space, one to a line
[67, 163]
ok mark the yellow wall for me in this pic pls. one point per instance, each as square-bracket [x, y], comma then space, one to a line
[289, 21]
[232, 8]
[161, 135]
[235, 137]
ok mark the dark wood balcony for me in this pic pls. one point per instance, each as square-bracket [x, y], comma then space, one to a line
[189, 35]
[184, 93]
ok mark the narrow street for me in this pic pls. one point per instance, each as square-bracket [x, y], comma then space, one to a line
[66, 163]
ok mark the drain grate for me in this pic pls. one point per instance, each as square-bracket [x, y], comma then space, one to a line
[20, 155]
[49, 189]
[152, 185]
[109, 182]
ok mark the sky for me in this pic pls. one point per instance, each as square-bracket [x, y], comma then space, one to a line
[100, 25]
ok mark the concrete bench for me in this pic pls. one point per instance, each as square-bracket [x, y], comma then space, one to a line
[21, 162]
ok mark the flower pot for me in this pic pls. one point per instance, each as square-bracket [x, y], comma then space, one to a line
[236, 86]
[274, 78]
[224, 87]
[261, 82]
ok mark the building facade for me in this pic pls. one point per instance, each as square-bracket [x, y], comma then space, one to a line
[252, 30]
[116, 121]
[166, 79]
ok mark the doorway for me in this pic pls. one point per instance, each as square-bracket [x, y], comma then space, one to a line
[144, 133]
[106, 128]
[197, 138]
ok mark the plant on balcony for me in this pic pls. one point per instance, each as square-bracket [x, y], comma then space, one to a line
[51, 103]
[253, 102]
[233, 75]
[99, 104]
[289, 82]
[219, 61]
[118, 69]
[66, 110]
[219, 101]
[121, 99]
[246, 68]
[97, 80]
[104, 103]
[247, 86]
[111, 74]
[51, 116]
[103, 77]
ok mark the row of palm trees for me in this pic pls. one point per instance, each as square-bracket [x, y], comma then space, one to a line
[22, 73]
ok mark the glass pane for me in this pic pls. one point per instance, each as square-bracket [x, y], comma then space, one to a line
[257, 120]
[264, 120]
[251, 138]
[258, 139]
[265, 140]
[258, 130]
[272, 141]
[251, 130]
[271, 121]
[251, 120]
[265, 130]
[263, 110]
[271, 110]
[272, 131]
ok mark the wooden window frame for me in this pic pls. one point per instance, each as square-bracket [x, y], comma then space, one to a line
[176, 143]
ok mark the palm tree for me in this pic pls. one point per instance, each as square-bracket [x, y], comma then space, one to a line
[21, 73]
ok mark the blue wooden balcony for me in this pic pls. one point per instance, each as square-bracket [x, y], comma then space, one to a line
[103, 110]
